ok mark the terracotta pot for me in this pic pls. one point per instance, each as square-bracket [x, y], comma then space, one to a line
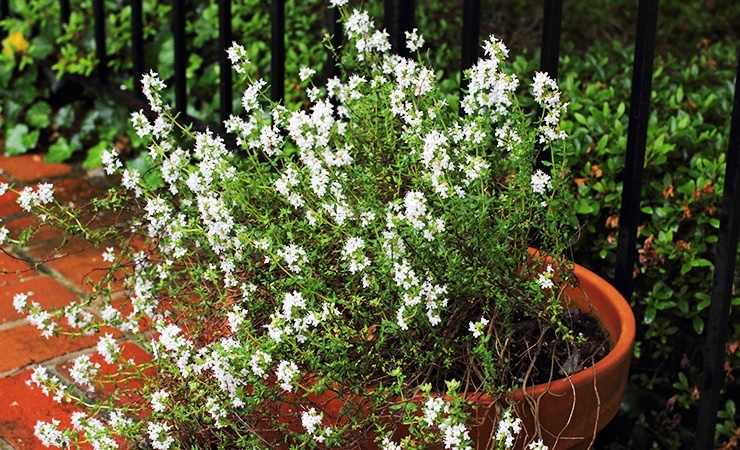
[565, 413]
[568, 412]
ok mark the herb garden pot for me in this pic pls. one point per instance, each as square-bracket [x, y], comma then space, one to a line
[568, 412]
[565, 413]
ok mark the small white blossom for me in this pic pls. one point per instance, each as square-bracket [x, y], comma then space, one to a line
[310, 420]
[158, 437]
[476, 328]
[49, 434]
[508, 429]
[258, 363]
[294, 257]
[414, 41]
[305, 73]
[545, 281]
[537, 445]
[541, 182]
[108, 348]
[286, 372]
[83, 371]
[20, 300]
[109, 255]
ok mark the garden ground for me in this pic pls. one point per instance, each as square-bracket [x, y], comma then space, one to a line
[56, 283]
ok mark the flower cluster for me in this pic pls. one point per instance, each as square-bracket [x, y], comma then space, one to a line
[371, 243]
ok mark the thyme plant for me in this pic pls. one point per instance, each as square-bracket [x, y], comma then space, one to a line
[372, 251]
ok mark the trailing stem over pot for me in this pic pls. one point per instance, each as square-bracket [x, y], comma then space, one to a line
[374, 242]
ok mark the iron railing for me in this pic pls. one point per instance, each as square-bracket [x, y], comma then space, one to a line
[398, 18]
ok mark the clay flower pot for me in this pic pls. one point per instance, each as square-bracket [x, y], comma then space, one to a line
[568, 412]
[565, 413]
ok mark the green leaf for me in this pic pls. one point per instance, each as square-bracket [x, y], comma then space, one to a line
[59, 151]
[38, 114]
[700, 262]
[95, 155]
[698, 324]
[41, 47]
[65, 116]
[649, 316]
[19, 139]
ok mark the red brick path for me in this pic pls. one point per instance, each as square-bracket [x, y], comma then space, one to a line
[21, 345]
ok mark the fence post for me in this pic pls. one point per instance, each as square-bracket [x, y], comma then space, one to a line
[4, 12]
[552, 19]
[470, 43]
[100, 46]
[724, 271]
[398, 17]
[334, 28]
[642, 77]
[137, 44]
[226, 84]
[181, 58]
[64, 12]
[277, 50]
[551, 31]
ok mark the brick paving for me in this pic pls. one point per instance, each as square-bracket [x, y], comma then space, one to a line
[62, 280]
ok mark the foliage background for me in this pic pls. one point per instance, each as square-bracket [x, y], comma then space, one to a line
[45, 110]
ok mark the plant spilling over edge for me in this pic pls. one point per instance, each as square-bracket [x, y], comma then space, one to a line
[371, 249]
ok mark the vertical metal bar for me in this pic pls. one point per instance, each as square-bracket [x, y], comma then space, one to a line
[64, 12]
[470, 43]
[398, 18]
[334, 28]
[137, 43]
[100, 45]
[550, 55]
[642, 77]
[550, 48]
[226, 83]
[724, 271]
[181, 58]
[4, 12]
[277, 50]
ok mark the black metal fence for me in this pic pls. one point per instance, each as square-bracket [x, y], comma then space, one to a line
[399, 18]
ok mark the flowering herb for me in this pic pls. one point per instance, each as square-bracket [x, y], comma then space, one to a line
[374, 247]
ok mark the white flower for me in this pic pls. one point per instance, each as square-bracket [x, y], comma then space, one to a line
[108, 348]
[49, 434]
[388, 444]
[294, 257]
[476, 328]
[537, 445]
[83, 370]
[109, 255]
[414, 41]
[110, 161]
[28, 198]
[42, 379]
[286, 372]
[311, 419]
[20, 300]
[305, 73]
[541, 182]
[158, 437]
[545, 281]
[258, 363]
[141, 125]
[508, 429]
[159, 400]
[336, 3]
